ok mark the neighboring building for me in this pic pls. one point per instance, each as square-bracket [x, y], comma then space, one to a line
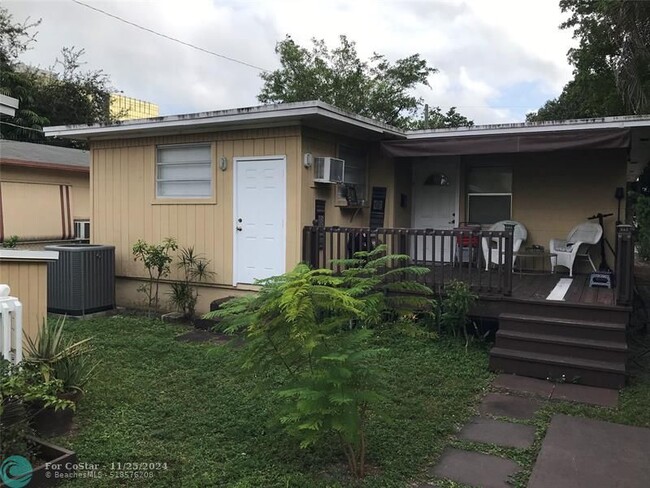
[238, 185]
[127, 108]
[44, 192]
[8, 105]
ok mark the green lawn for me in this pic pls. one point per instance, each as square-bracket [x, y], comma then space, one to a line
[189, 405]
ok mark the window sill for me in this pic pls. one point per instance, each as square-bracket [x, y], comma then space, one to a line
[184, 201]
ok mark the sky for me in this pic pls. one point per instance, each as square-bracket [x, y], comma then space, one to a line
[496, 59]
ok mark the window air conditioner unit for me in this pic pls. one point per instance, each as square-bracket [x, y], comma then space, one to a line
[328, 170]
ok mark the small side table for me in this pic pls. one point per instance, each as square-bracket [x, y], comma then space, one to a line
[534, 256]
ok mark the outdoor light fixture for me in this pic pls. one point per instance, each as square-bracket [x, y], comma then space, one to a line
[437, 179]
[223, 163]
[308, 160]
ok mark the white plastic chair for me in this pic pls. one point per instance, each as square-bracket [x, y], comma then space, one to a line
[491, 245]
[577, 244]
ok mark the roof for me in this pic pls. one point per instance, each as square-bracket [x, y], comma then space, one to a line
[319, 114]
[619, 122]
[314, 113]
[42, 155]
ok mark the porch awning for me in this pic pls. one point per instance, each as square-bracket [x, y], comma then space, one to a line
[463, 143]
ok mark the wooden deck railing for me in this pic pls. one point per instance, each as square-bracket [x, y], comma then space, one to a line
[450, 254]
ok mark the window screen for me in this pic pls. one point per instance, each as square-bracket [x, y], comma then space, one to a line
[355, 169]
[184, 172]
[489, 194]
[489, 179]
[488, 209]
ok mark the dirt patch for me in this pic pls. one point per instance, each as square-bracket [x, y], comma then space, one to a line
[198, 335]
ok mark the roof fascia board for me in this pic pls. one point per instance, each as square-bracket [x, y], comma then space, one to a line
[529, 129]
[42, 165]
[220, 122]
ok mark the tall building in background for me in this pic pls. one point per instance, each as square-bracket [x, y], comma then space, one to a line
[126, 108]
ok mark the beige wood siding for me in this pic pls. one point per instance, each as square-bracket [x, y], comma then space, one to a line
[31, 201]
[553, 193]
[380, 173]
[28, 283]
[124, 207]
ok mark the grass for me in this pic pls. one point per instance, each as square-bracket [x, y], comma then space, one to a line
[158, 400]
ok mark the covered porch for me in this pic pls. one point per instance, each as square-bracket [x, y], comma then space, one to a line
[458, 254]
[550, 325]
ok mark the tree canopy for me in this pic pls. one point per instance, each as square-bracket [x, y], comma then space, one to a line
[611, 63]
[375, 88]
[63, 94]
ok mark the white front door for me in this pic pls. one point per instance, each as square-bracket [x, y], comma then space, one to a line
[435, 205]
[260, 218]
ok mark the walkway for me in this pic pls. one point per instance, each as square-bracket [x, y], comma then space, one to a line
[575, 453]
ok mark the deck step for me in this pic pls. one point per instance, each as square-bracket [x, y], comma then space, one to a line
[583, 329]
[579, 347]
[541, 365]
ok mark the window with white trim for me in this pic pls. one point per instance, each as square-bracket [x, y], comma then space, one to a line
[184, 171]
[489, 194]
[82, 229]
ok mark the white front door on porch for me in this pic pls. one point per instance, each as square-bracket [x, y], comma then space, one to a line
[260, 218]
[435, 204]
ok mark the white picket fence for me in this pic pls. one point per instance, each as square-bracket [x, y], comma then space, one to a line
[11, 323]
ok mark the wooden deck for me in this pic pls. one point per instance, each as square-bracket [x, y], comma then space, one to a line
[538, 287]
[580, 338]
[525, 287]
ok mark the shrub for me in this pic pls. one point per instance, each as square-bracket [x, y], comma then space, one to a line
[156, 260]
[642, 209]
[20, 385]
[183, 294]
[61, 359]
[10, 242]
[455, 306]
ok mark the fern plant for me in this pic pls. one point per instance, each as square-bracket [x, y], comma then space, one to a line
[299, 321]
[335, 396]
[388, 286]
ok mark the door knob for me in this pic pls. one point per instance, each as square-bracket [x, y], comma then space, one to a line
[453, 221]
[239, 229]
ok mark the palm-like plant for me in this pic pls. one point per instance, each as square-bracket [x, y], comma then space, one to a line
[61, 358]
[184, 295]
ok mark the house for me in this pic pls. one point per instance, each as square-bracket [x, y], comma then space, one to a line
[245, 187]
[44, 192]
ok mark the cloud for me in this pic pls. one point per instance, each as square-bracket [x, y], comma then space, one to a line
[482, 49]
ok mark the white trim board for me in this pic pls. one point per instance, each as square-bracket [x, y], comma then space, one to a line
[26, 255]
[561, 288]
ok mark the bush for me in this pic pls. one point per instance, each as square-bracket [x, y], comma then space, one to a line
[642, 209]
[156, 260]
[10, 242]
[20, 385]
[183, 295]
[454, 310]
[61, 359]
